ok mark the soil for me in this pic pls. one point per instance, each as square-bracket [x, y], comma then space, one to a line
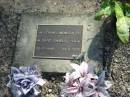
[116, 60]
[9, 22]
[52, 87]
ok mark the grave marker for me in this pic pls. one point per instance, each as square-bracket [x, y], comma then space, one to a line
[53, 41]
[58, 41]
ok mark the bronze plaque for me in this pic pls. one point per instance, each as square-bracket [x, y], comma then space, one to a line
[58, 41]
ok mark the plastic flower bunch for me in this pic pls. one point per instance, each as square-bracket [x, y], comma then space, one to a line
[25, 81]
[84, 83]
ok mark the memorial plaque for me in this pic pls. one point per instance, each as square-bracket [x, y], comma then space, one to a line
[58, 41]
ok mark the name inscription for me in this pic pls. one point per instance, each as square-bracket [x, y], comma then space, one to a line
[58, 41]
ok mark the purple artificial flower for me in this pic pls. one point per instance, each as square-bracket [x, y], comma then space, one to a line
[25, 79]
[100, 86]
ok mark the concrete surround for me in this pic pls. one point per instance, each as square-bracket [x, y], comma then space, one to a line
[27, 38]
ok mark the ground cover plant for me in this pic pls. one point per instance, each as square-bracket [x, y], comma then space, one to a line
[120, 9]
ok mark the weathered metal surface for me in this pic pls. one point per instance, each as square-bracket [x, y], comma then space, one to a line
[58, 41]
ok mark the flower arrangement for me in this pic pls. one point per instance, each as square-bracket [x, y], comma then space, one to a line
[25, 81]
[84, 83]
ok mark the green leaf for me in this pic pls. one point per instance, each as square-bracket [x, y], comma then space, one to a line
[123, 30]
[121, 24]
[104, 12]
[118, 10]
[127, 9]
[105, 3]
[128, 20]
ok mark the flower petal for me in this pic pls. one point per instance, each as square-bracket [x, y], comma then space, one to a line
[92, 76]
[95, 95]
[76, 67]
[84, 68]
[75, 75]
[91, 69]
[67, 77]
[101, 79]
[71, 90]
[108, 84]
[88, 92]
[36, 92]
[14, 70]
[41, 82]
[102, 95]
[80, 95]
[103, 92]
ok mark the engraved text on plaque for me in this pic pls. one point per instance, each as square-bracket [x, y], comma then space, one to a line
[58, 41]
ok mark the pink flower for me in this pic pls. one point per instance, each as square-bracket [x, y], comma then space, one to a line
[76, 83]
[84, 83]
[71, 86]
[84, 70]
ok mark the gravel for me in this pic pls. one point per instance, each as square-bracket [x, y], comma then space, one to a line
[8, 29]
[52, 87]
[117, 61]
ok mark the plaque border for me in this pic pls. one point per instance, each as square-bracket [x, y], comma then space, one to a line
[62, 58]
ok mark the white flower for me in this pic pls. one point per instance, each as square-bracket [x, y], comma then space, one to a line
[84, 70]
